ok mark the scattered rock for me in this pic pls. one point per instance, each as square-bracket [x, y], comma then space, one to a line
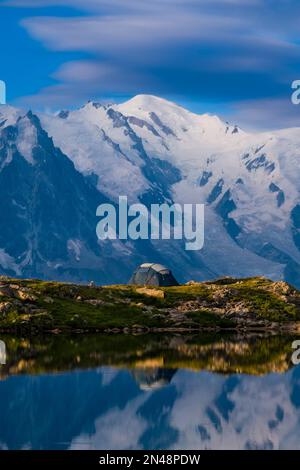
[5, 307]
[148, 308]
[24, 295]
[189, 306]
[225, 299]
[281, 287]
[95, 302]
[6, 291]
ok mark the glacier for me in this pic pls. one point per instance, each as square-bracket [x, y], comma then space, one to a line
[55, 169]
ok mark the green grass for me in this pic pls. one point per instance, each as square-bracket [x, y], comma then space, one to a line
[210, 319]
[63, 306]
[82, 315]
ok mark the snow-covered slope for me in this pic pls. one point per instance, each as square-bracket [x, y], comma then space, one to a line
[152, 150]
[250, 180]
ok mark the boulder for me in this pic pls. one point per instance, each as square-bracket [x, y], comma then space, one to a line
[24, 295]
[6, 291]
[96, 302]
[5, 307]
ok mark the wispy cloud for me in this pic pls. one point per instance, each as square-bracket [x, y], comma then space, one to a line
[96, 5]
[224, 50]
[265, 114]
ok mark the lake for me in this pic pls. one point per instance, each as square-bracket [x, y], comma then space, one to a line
[207, 391]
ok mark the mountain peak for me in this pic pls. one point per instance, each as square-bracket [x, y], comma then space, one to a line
[149, 102]
[174, 119]
[96, 105]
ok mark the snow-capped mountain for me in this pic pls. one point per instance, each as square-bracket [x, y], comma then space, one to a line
[56, 169]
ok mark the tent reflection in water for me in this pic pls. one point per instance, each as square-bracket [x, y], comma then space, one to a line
[153, 378]
[152, 274]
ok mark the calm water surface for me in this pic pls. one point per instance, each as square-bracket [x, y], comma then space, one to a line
[149, 392]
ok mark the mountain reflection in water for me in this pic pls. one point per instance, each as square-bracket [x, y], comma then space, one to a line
[149, 392]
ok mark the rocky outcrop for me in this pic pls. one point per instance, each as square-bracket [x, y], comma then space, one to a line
[240, 304]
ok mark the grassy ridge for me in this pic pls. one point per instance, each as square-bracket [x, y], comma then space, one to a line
[225, 303]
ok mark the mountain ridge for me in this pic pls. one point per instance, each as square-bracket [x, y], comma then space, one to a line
[154, 151]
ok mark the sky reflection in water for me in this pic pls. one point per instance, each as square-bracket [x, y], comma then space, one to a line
[142, 405]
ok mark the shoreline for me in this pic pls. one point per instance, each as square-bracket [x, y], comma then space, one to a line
[291, 328]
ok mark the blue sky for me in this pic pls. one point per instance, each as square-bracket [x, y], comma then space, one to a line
[236, 58]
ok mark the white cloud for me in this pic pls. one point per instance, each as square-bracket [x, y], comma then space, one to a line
[266, 114]
[262, 415]
[218, 50]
